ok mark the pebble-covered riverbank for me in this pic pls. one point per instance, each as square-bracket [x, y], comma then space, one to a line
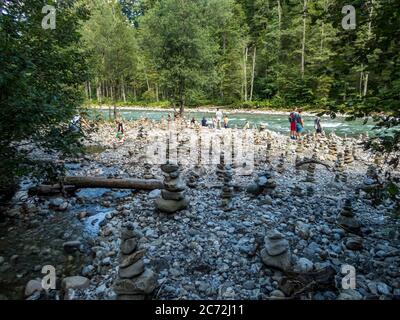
[205, 251]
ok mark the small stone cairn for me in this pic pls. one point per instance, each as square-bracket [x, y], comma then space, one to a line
[276, 251]
[347, 219]
[173, 195]
[135, 281]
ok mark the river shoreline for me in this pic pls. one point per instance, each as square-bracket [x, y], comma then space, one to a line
[207, 109]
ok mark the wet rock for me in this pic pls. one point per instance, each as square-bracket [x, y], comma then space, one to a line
[71, 246]
[128, 246]
[133, 270]
[144, 284]
[1, 260]
[383, 288]
[276, 252]
[33, 286]
[349, 294]
[154, 194]
[354, 244]
[304, 265]
[75, 282]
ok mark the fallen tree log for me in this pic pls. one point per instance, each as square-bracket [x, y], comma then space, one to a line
[70, 184]
[100, 182]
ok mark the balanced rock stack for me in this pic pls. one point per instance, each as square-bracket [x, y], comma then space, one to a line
[281, 164]
[173, 195]
[311, 170]
[264, 183]
[348, 156]
[141, 132]
[192, 179]
[347, 219]
[227, 189]
[276, 251]
[296, 162]
[220, 171]
[340, 174]
[134, 282]
[332, 149]
[299, 147]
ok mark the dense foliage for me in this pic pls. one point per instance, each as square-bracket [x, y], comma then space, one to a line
[40, 83]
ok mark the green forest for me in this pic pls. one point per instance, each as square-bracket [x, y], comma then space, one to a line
[242, 53]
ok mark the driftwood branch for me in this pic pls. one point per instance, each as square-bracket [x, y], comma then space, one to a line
[308, 161]
[70, 184]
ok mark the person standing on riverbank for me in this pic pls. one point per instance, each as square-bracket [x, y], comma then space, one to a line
[218, 117]
[226, 120]
[317, 125]
[292, 120]
[204, 122]
[299, 124]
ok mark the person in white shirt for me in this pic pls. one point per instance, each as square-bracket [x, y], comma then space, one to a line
[218, 116]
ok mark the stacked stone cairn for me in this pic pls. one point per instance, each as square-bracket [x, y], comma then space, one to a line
[340, 174]
[347, 219]
[281, 164]
[311, 170]
[348, 156]
[299, 147]
[276, 251]
[192, 179]
[378, 160]
[141, 132]
[135, 281]
[332, 149]
[227, 189]
[220, 171]
[173, 195]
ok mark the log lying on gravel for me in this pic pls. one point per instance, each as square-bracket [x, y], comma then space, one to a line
[99, 182]
[73, 183]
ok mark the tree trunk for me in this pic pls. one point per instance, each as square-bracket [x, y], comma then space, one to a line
[303, 44]
[252, 74]
[245, 73]
[123, 90]
[157, 92]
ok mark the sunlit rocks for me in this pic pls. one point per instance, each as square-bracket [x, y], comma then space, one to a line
[172, 196]
[347, 219]
[276, 251]
[134, 282]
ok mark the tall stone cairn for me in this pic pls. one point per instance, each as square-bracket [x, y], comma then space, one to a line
[135, 281]
[227, 189]
[348, 155]
[310, 177]
[220, 171]
[173, 195]
[332, 149]
[280, 168]
[340, 174]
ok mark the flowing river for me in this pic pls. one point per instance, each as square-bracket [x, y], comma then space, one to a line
[274, 122]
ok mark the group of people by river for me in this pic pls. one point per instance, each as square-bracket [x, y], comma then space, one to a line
[219, 121]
